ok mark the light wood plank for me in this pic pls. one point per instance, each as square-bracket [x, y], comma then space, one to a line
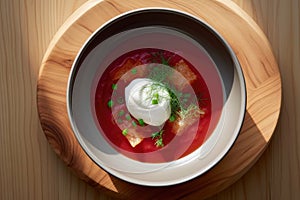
[277, 172]
[262, 81]
[31, 170]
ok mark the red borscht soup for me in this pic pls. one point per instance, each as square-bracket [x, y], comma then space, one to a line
[153, 106]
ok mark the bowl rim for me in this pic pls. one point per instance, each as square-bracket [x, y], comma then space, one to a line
[236, 64]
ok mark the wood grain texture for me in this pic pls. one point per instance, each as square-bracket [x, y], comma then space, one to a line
[262, 82]
[31, 170]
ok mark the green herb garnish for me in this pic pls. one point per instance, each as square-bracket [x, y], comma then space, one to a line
[141, 122]
[201, 99]
[110, 103]
[172, 118]
[114, 86]
[125, 132]
[128, 117]
[159, 142]
[134, 71]
[182, 105]
[159, 57]
[119, 121]
[156, 134]
[121, 113]
[154, 101]
[134, 124]
[160, 73]
[155, 92]
[191, 111]
[158, 138]
[155, 98]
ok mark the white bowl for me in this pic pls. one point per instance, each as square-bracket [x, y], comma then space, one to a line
[185, 32]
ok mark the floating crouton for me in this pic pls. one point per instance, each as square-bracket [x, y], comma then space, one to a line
[133, 139]
[132, 135]
[186, 72]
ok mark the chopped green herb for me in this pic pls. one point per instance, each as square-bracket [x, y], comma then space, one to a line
[159, 142]
[141, 122]
[121, 113]
[156, 134]
[119, 121]
[154, 101]
[134, 123]
[114, 86]
[128, 117]
[134, 71]
[172, 118]
[125, 132]
[110, 103]
[155, 98]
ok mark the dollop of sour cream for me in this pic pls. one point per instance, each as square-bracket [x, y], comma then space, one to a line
[148, 101]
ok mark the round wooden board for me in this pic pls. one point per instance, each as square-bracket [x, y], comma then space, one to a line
[255, 56]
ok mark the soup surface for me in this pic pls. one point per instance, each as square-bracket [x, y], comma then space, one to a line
[168, 114]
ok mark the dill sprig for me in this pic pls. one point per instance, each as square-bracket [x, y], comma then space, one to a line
[160, 73]
[178, 101]
[158, 57]
[191, 111]
[182, 105]
[158, 138]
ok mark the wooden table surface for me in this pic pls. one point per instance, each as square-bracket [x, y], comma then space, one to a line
[30, 169]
